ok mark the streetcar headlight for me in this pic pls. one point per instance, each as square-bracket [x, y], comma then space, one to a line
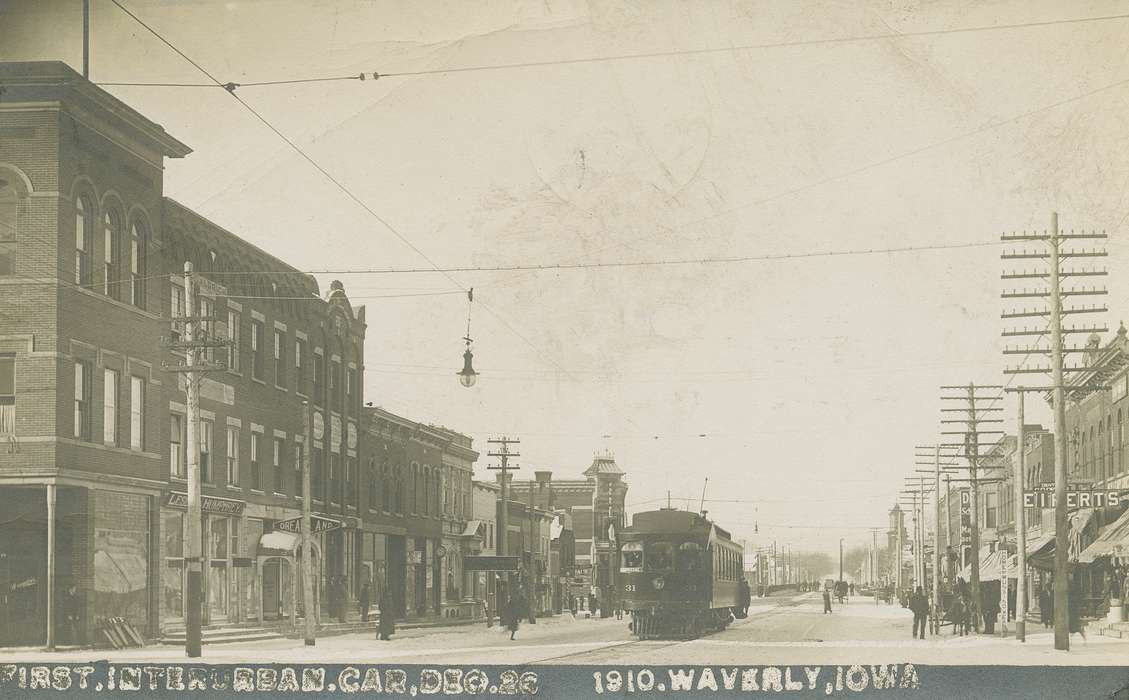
[659, 583]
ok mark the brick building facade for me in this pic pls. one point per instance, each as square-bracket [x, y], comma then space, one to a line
[93, 446]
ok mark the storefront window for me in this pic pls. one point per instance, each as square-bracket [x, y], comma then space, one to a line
[172, 569]
[121, 557]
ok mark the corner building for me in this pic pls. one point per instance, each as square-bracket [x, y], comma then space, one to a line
[82, 472]
[93, 446]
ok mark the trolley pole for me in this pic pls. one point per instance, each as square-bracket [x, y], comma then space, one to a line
[503, 454]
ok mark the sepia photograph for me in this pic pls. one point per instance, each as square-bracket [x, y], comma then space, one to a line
[571, 348]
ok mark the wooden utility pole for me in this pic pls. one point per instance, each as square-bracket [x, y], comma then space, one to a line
[195, 339]
[974, 412]
[309, 602]
[504, 454]
[86, 39]
[1053, 295]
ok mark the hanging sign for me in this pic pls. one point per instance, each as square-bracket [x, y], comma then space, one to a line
[965, 516]
[317, 524]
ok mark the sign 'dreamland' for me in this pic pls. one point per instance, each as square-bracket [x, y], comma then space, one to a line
[209, 504]
[317, 524]
[1075, 498]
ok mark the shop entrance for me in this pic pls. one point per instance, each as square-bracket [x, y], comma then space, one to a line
[23, 577]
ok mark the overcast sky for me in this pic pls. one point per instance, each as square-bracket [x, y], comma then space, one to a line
[799, 386]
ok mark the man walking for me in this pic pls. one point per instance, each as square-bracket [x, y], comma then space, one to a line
[364, 602]
[826, 600]
[919, 606]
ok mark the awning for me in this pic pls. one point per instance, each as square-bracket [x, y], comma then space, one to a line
[1113, 535]
[471, 529]
[1041, 552]
[279, 544]
[990, 565]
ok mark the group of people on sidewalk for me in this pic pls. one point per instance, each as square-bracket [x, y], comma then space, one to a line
[961, 612]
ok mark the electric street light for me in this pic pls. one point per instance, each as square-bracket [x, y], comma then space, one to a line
[467, 377]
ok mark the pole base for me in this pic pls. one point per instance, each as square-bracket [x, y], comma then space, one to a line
[192, 627]
[310, 642]
[1020, 632]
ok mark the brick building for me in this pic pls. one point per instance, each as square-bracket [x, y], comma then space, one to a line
[419, 512]
[93, 446]
[594, 504]
[82, 470]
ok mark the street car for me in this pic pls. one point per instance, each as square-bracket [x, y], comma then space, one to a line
[680, 574]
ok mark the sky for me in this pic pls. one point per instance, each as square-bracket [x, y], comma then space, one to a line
[797, 385]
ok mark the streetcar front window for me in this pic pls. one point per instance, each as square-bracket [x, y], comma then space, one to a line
[660, 556]
[689, 556]
[631, 557]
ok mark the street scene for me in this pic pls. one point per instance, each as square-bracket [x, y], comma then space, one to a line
[564, 334]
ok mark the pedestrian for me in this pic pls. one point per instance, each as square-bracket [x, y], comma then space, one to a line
[516, 606]
[364, 602]
[852, 589]
[919, 606]
[1046, 605]
[968, 610]
[826, 600]
[342, 600]
[956, 615]
[387, 625]
[746, 597]
[989, 607]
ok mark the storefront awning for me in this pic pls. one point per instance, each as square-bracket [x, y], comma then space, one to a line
[279, 544]
[471, 529]
[1041, 551]
[1113, 535]
[990, 565]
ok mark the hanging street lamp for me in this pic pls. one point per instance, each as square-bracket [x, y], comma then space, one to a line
[467, 376]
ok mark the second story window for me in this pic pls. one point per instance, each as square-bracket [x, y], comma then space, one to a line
[350, 388]
[300, 365]
[234, 335]
[279, 358]
[7, 394]
[257, 349]
[317, 487]
[276, 462]
[137, 414]
[233, 456]
[206, 307]
[205, 438]
[335, 384]
[256, 469]
[176, 445]
[82, 400]
[83, 235]
[319, 385]
[110, 388]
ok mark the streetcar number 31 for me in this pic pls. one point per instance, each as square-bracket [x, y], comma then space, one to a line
[630, 587]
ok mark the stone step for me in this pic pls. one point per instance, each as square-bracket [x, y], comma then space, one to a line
[224, 635]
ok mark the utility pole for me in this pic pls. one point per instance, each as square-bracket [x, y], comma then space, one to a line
[193, 342]
[1053, 295]
[529, 586]
[1020, 527]
[504, 454]
[974, 412]
[86, 39]
[308, 601]
[840, 558]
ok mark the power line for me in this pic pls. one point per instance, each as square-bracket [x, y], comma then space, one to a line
[360, 77]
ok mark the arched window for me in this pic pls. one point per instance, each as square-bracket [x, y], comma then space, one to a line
[9, 223]
[1099, 448]
[111, 227]
[138, 242]
[83, 238]
[1120, 464]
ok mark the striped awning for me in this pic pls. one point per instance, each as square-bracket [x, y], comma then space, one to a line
[1114, 535]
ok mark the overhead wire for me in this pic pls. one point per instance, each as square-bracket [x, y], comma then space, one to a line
[231, 86]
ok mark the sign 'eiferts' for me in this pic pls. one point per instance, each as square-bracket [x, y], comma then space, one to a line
[1043, 496]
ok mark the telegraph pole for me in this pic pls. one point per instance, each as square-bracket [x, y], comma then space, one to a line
[193, 343]
[308, 601]
[504, 454]
[974, 416]
[1053, 295]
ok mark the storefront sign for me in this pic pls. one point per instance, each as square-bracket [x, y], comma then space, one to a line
[318, 524]
[208, 504]
[487, 563]
[965, 516]
[242, 562]
[1044, 497]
